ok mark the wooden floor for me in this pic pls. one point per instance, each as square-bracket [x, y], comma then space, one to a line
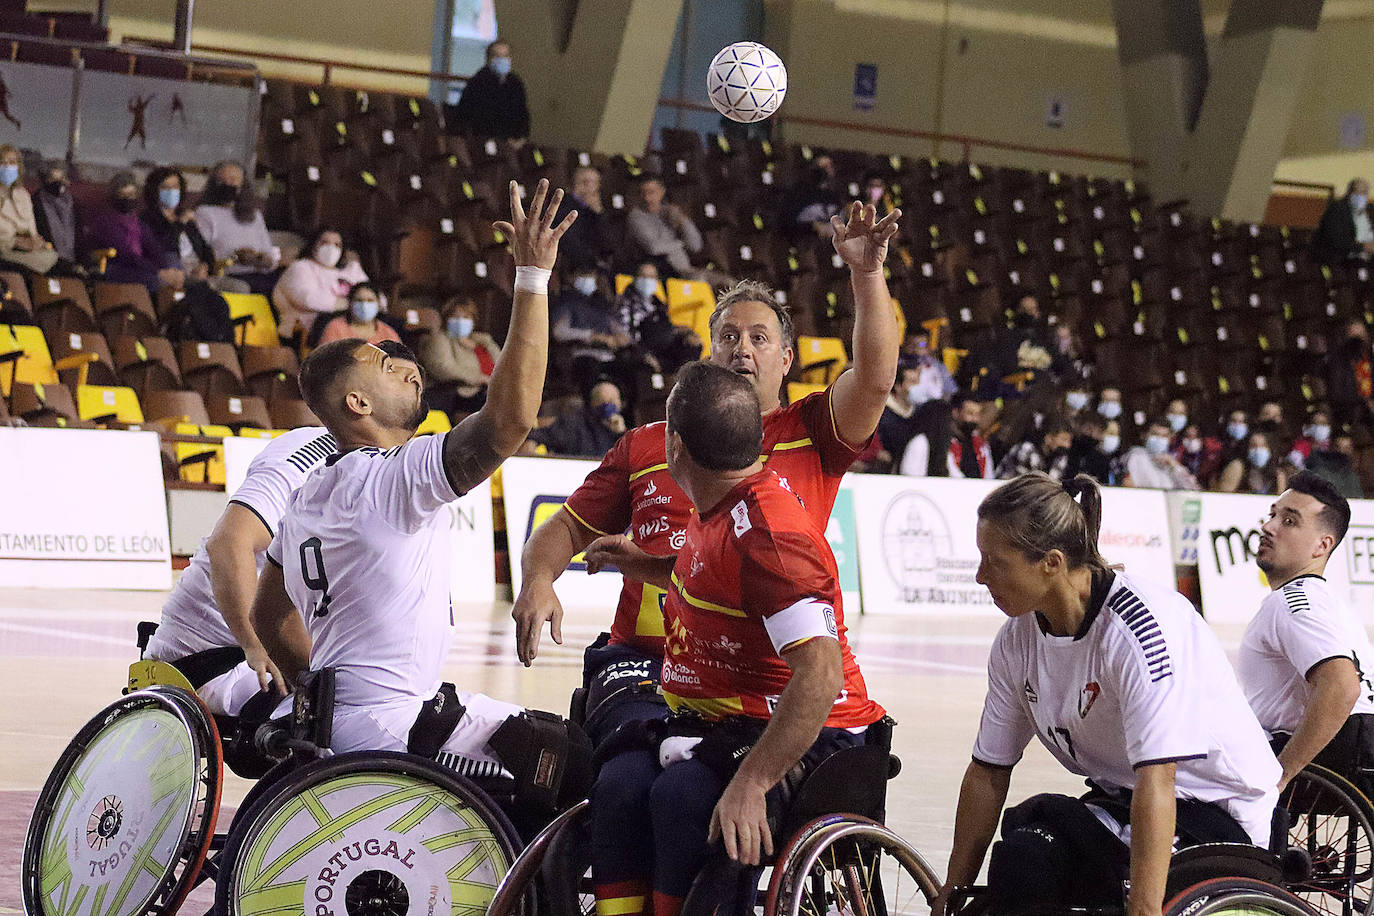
[64, 654]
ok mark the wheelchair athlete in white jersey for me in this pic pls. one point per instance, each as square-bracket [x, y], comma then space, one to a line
[359, 575]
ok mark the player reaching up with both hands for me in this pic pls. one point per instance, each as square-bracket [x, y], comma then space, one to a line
[809, 444]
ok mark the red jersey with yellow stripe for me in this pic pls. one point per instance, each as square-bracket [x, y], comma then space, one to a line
[755, 578]
[632, 492]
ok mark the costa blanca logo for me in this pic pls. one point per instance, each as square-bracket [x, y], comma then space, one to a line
[915, 538]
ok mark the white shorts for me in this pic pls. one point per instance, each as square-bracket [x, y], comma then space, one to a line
[226, 694]
[387, 728]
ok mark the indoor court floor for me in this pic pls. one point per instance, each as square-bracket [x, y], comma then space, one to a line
[64, 655]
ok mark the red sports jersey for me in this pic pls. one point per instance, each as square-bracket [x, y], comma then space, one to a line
[755, 577]
[632, 492]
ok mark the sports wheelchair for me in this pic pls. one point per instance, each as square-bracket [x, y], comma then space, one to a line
[835, 855]
[1331, 828]
[125, 825]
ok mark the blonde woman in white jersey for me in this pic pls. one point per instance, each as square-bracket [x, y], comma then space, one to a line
[1305, 658]
[1124, 684]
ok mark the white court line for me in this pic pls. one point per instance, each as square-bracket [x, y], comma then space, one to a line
[68, 634]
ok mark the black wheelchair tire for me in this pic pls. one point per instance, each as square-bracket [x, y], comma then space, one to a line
[1316, 788]
[298, 779]
[1218, 896]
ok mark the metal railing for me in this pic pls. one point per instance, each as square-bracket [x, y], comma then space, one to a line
[327, 67]
[966, 143]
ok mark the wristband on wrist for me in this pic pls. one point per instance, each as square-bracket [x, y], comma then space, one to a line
[532, 280]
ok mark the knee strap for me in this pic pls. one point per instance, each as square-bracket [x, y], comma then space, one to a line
[549, 757]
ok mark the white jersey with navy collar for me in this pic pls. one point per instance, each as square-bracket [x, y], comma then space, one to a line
[364, 549]
[191, 621]
[1145, 682]
[1299, 625]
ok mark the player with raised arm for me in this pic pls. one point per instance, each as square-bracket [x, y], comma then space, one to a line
[810, 444]
[360, 571]
[205, 631]
[1124, 684]
[1304, 659]
[757, 667]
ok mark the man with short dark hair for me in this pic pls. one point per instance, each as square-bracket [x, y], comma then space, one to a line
[493, 102]
[757, 662]
[1305, 658]
[1345, 231]
[586, 430]
[359, 573]
[1050, 454]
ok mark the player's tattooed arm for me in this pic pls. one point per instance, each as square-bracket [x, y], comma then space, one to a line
[279, 625]
[471, 453]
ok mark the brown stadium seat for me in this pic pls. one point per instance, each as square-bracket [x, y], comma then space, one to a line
[82, 358]
[171, 407]
[146, 363]
[62, 304]
[45, 405]
[125, 308]
[210, 368]
[270, 372]
[237, 411]
[290, 414]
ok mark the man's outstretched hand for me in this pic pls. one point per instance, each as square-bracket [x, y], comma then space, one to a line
[534, 238]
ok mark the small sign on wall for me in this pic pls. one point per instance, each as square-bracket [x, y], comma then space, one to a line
[1353, 130]
[865, 86]
[1056, 111]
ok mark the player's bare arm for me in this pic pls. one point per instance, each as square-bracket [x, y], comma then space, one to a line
[861, 392]
[547, 553]
[741, 816]
[233, 546]
[624, 554]
[279, 626]
[1153, 811]
[1335, 687]
[982, 796]
[476, 447]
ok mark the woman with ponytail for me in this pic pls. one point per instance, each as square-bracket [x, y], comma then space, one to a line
[1125, 685]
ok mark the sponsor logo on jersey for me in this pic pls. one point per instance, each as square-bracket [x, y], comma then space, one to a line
[651, 489]
[1087, 697]
[649, 529]
[1031, 696]
[830, 626]
[662, 499]
[740, 513]
[728, 645]
[677, 539]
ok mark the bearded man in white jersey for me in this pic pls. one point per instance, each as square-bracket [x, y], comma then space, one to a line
[1305, 659]
[359, 575]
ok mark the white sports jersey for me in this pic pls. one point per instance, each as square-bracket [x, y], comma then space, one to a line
[1299, 625]
[365, 552]
[191, 622]
[1146, 682]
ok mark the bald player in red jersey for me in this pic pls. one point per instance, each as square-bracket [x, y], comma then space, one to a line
[757, 666]
[809, 444]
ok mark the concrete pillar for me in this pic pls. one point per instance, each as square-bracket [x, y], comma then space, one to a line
[593, 69]
[1258, 73]
[1163, 53]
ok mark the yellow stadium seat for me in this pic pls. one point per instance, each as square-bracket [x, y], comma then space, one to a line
[249, 432]
[261, 329]
[102, 403]
[435, 422]
[201, 462]
[690, 304]
[798, 390]
[34, 364]
[822, 359]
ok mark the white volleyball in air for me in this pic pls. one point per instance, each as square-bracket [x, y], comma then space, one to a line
[746, 81]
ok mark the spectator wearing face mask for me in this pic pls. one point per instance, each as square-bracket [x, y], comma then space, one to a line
[362, 320]
[139, 257]
[1350, 378]
[1150, 466]
[876, 192]
[54, 212]
[1315, 435]
[934, 373]
[1066, 357]
[1050, 456]
[1200, 455]
[1237, 438]
[1258, 471]
[644, 315]
[1109, 404]
[904, 420]
[1345, 230]
[663, 231]
[316, 283]
[1085, 452]
[1176, 415]
[969, 453]
[1337, 464]
[1269, 419]
[592, 239]
[586, 322]
[21, 244]
[460, 357]
[493, 102]
[173, 225]
[1076, 400]
[588, 431]
[812, 201]
[229, 219]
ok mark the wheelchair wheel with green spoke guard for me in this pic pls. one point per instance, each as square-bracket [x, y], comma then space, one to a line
[366, 834]
[125, 820]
